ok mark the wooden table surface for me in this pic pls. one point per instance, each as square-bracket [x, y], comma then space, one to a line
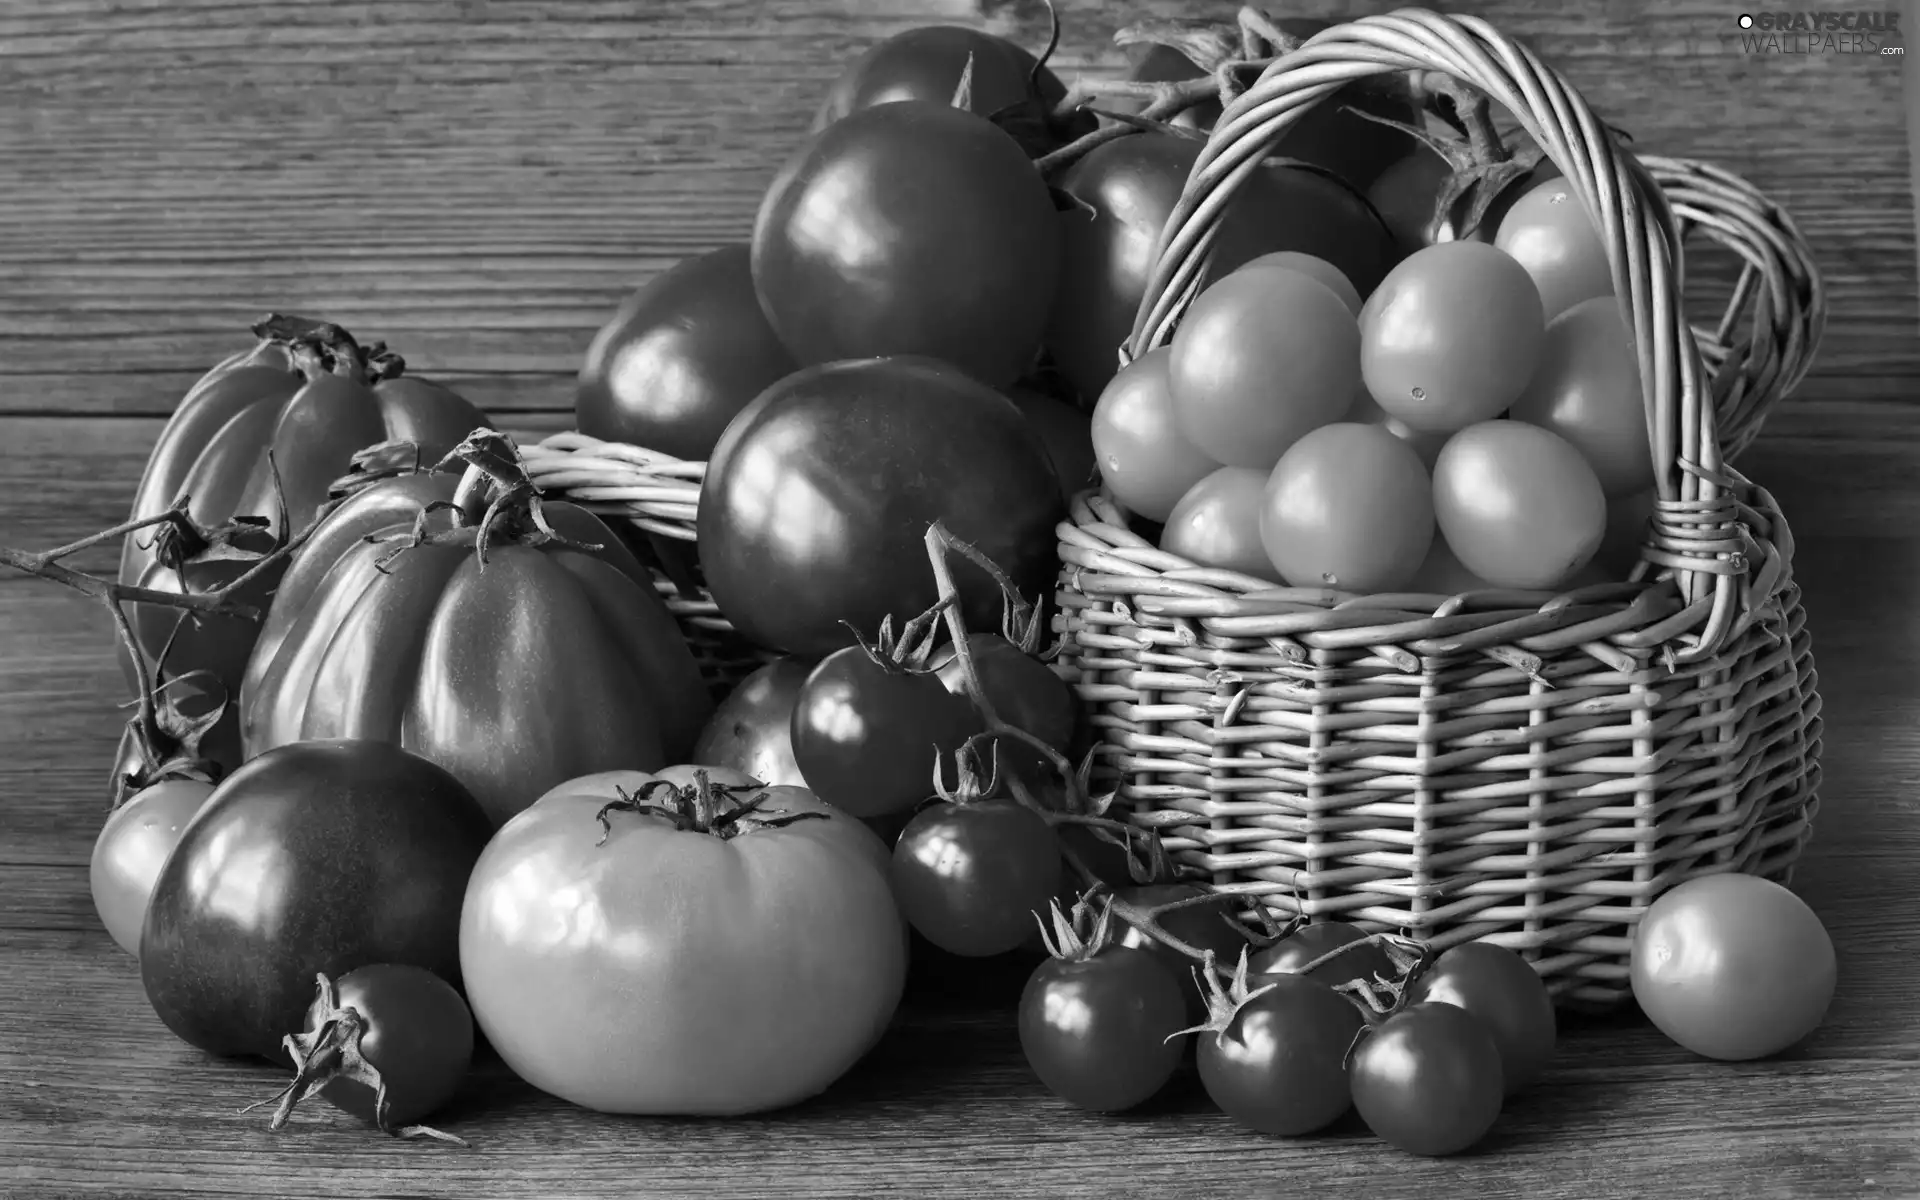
[478, 183]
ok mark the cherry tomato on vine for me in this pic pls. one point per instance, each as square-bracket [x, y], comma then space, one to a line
[1427, 1079]
[926, 64]
[1507, 994]
[1518, 504]
[1291, 953]
[1548, 232]
[1407, 196]
[1217, 523]
[1145, 461]
[970, 877]
[1099, 1032]
[866, 734]
[1348, 506]
[1278, 1066]
[1026, 694]
[1587, 390]
[1202, 926]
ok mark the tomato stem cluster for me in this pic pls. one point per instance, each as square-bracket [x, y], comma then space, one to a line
[703, 807]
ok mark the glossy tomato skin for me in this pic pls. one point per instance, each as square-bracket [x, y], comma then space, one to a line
[752, 729]
[1297, 949]
[867, 736]
[1518, 504]
[547, 663]
[862, 457]
[680, 358]
[1278, 1066]
[1026, 694]
[1144, 459]
[1348, 506]
[132, 847]
[313, 858]
[926, 64]
[910, 228]
[418, 1035]
[1068, 434]
[678, 973]
[1367, 411]
[1428, 1079]
[1314, 267]
[1587, 390]
[1507, 994]
[1733, 967]
[971, 877]
[1099, 1032]
[1547, 231]
[1217, 523]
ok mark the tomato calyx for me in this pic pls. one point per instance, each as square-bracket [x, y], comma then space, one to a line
[1081, 934]
[165, 742]
[321, 348]
[1038, 127]
[910, 650]
[1225, 996]
[1482, 170]
[373, 464]
[701, 807]
[330, 1052]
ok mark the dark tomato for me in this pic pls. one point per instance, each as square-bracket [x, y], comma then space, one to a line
[1026, 694]
[971, 877]
[1131, 185]
[1068, 433]
[867, 736]
[413, 1028]
[1507, 994]
[926, 64]
[816, 504]
[1309, 942]
[1202, 926]
[1100, 1032]
[752, 729]
[910, 228]
[681, 357]
[1278, 1066]
[1427, 1079]
[314, 858]
[1407, 195]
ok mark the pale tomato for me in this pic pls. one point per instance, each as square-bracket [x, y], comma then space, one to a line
[1144, 459]
[1518, 504]
[1348, 506]
[1587, 390]
[132, 847]
[1217, 523]
[1548, 232]
[1315, 267]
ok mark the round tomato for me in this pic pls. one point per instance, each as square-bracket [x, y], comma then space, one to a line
[971, 877]
[1313, 267]
[132, 847]
[1129, 187]
[1548, 232]
[926, 64]
[1427, 1079]
[1261, 359]
[313, 858]
[1278, 1066]
[815, 507]
[1517, 503]
[1026, 694]
[680, 358]
[1068, 433]
[1217, 523]
[682, 963]
[1145, 461]
[1407, 197]
[1099, 1031]
[1733, 967]
[910, 228]
[1351, 507]
[752, 729]
[1587, 390]
[1288, 955]
[868, 735]
[1507, 994]
[1451, 336]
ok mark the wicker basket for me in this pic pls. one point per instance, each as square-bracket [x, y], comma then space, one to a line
[1527, 769]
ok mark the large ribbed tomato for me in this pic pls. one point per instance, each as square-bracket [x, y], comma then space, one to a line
[543, 663]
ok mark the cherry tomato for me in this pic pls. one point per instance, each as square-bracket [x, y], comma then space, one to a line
[1407, 194]
[1099, 1032]
[970, 877]
[132, 847]
[1068, 433]
[1507, 994]
[1217, 523]
[926, 64]
[1427, 1079]
[1145, 461]
[1262, 358]
[1314, 267]
[1309, 942]
[1548, 232]
[1349, 506]
[1367, 411]
[1518, 504]
[1587, 390]
[1443, 574]
[1025, 693]
[410, 1026]
[1278, 1066]
[861, 223]
[752, 729]
[1732, 966]
[1202, 926]
[1451, 336]
[866, 736]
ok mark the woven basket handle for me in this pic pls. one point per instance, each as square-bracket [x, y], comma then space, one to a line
[1695, 528]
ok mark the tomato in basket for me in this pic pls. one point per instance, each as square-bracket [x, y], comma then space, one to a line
[1587, 390]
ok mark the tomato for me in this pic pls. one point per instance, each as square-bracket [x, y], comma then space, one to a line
[1587, 390]
[1099, 1031]
[971, 876]
[1309, 942]
[1365, 410]
[1548, 232]
[752, 729]
[1407, 194]
[132, 847]
[1202, 926]
[868, 735]
[1129, 187]
[1313, 267]
[1732, 967]
[1262, 358]
[1451, 336]
[680, 358]
[1627, 518]
[1025, 693]
[910, 228]
[926, 64]
[1278, 1065]
[681, 966]
[1217, 523]
[316, 857]
[1517, 503]
[1443, 574]
[1349, 506]
[1145, 461]
[566, 658]
[1068, 434]
[815, 507]
[1507, 994]
[1427, 1079]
